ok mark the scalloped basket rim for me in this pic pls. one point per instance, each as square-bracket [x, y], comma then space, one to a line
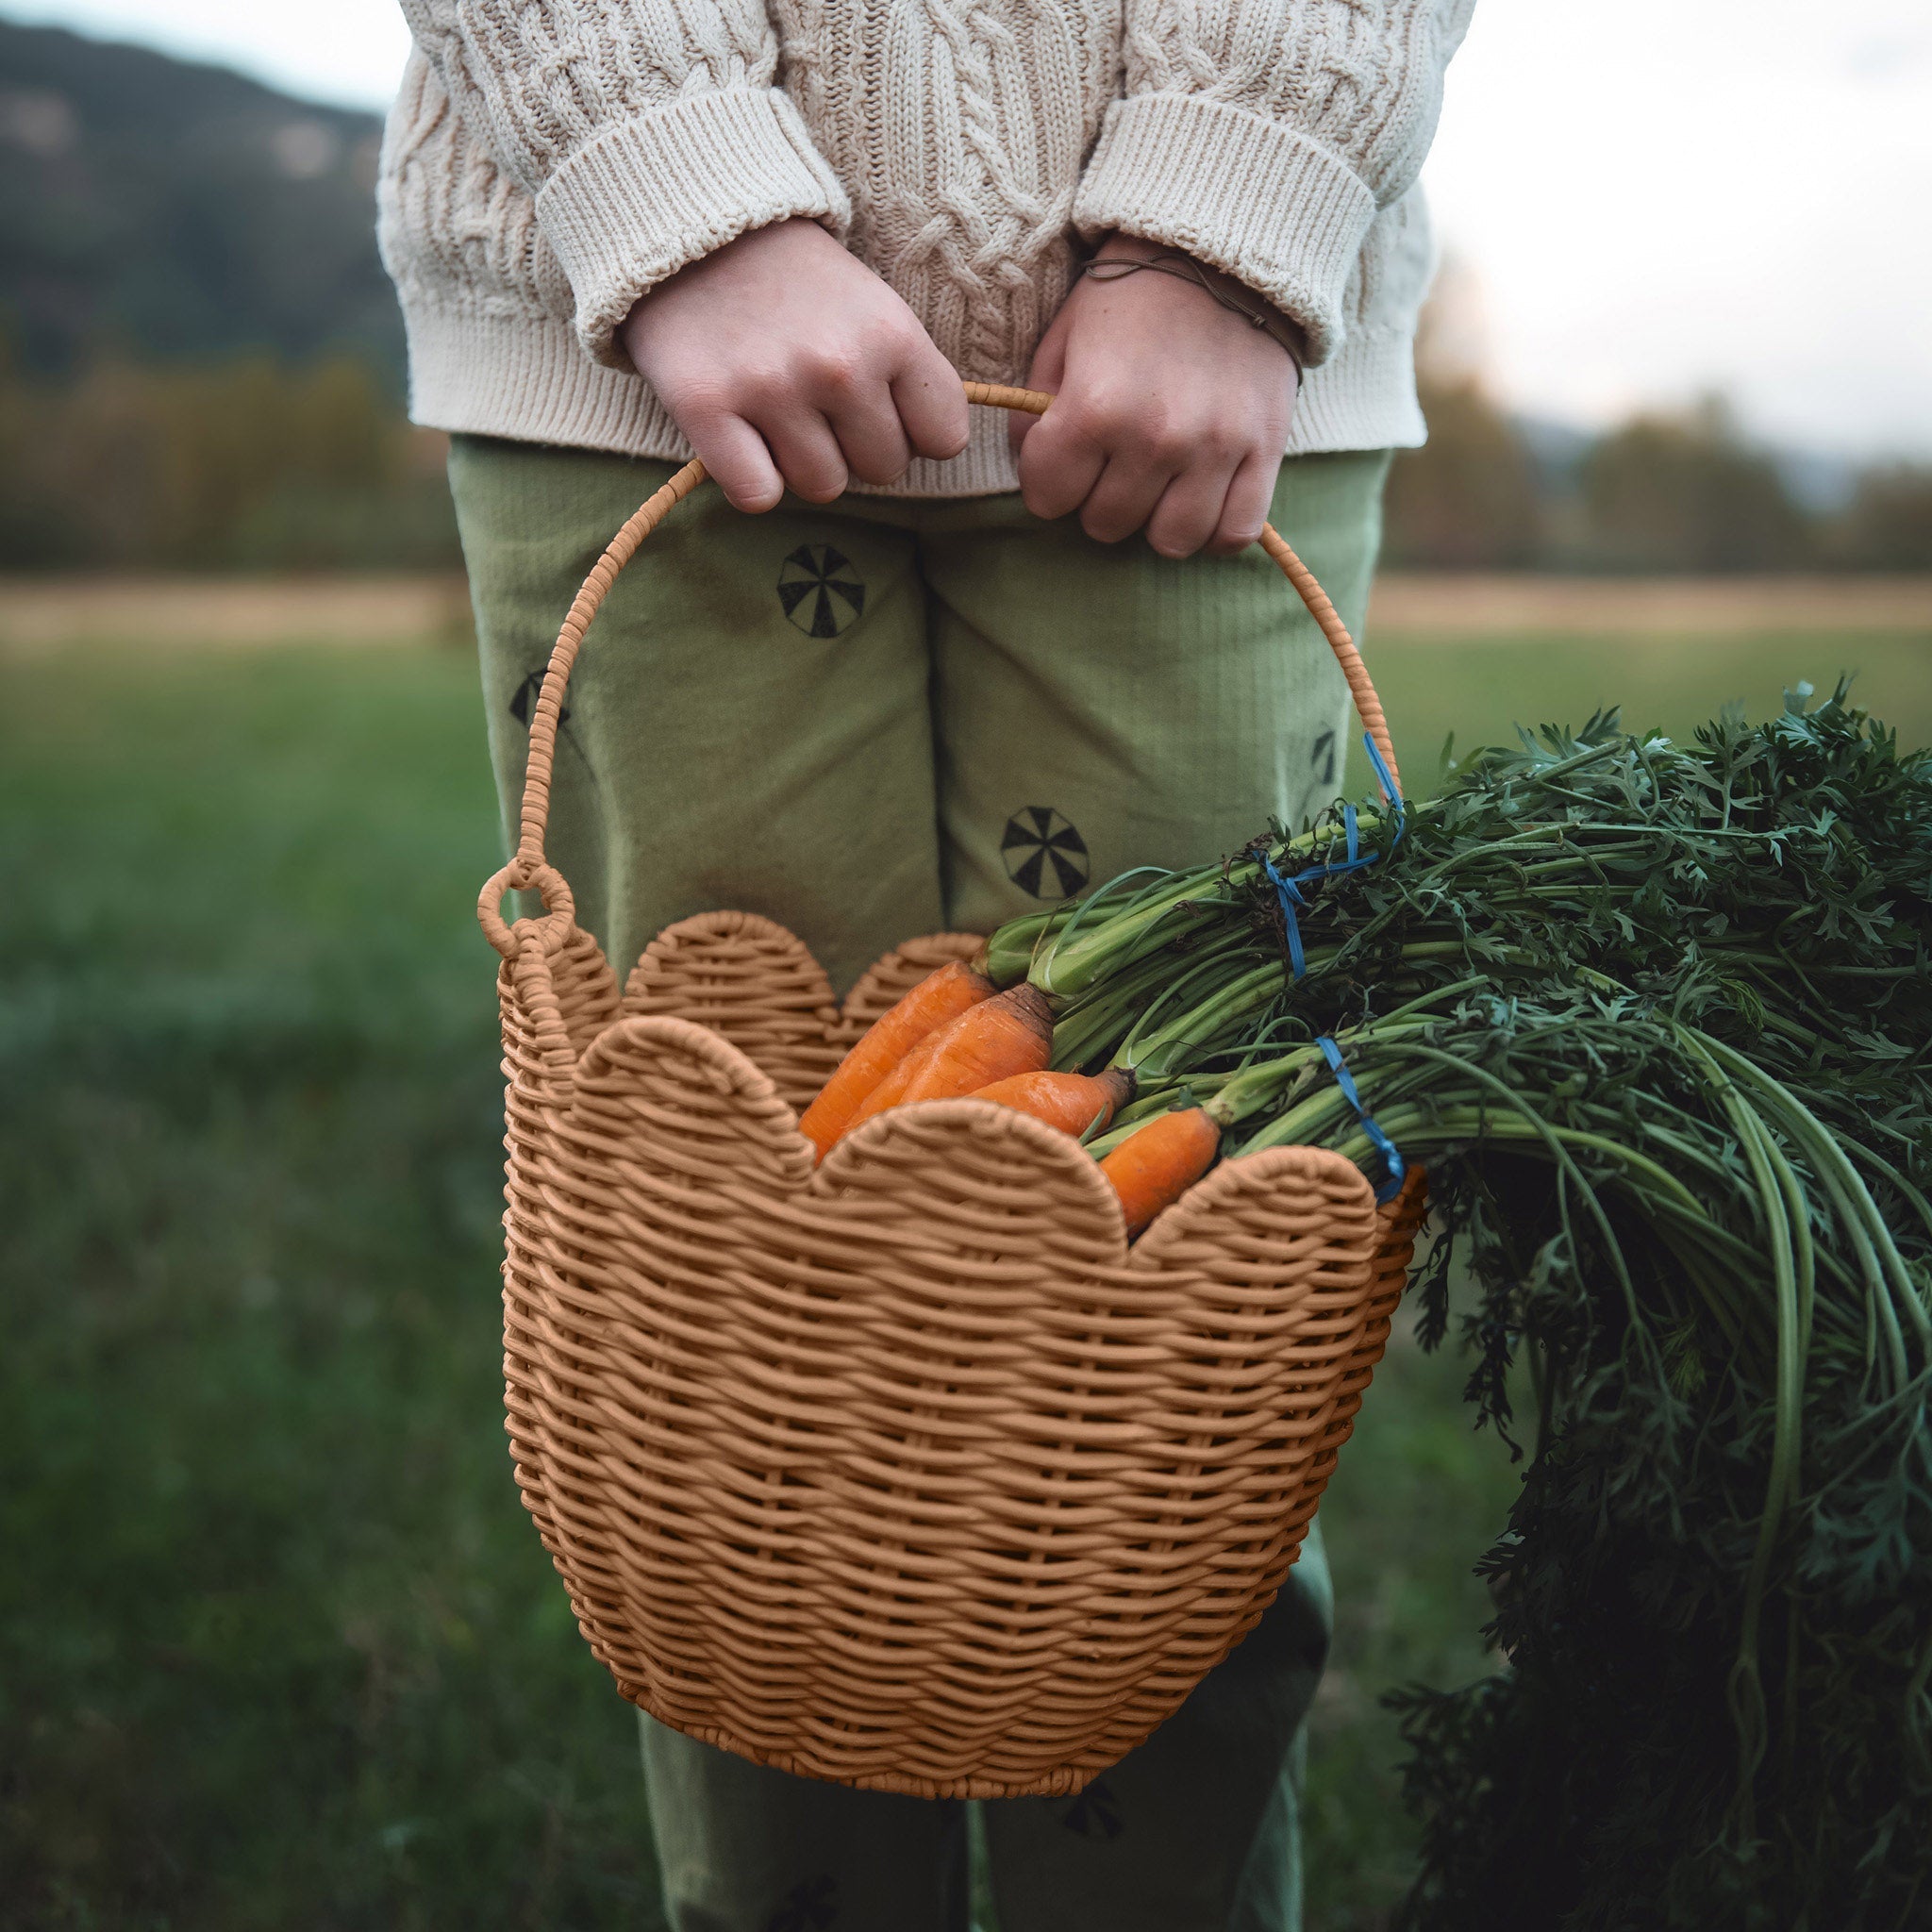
[876, 1137]
[1047, 1144]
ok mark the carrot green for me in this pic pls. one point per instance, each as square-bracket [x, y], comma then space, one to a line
[1657, 1020]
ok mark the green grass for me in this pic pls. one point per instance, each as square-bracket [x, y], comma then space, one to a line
[1416, 1499]
[1474, 687]
[277, 1646]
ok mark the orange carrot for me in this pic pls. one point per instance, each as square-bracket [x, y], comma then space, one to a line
[939, 997]
[891, 1090]
[1156, 1164]
[1010, 1033]
[1071, 1102]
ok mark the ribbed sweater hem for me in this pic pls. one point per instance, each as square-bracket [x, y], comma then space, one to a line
[527, 378]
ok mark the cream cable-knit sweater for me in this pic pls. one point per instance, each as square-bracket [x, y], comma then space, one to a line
[549, 160]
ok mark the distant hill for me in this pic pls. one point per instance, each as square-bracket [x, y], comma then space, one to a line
[178, 211]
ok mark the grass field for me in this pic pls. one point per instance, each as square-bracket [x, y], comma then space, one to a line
[1439, 685]
[278, 1648]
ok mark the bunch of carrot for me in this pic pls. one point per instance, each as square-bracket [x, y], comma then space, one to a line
[1656, 1017]
[956, 1036]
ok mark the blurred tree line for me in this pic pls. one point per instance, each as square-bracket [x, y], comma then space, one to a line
[1660, 493]
[253, 463]
[246, 463]
[200, 355]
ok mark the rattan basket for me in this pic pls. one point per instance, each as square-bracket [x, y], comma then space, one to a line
[906, 1472]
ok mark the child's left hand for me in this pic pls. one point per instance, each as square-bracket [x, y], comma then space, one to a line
[1171, 413]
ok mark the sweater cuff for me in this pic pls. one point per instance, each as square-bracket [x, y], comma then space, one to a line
[1246, 194]
[649, 196]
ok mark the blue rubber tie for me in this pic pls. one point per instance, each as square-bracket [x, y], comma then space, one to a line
[1288, 889]
[1391, 1155]
[1289, 893]
[1386, 780]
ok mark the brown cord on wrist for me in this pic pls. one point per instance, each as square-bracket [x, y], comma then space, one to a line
[1261, 315]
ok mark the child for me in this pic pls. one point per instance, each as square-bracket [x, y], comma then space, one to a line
[900, 673]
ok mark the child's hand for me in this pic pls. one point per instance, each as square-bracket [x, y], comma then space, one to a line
[788, 365]
[1171, 413]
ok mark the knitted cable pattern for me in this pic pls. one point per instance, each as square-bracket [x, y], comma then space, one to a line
[1364, 78]
[539, 81]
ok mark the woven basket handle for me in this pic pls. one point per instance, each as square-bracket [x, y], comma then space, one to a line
[529, 867]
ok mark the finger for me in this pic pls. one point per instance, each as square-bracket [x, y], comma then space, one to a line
[931, 404]
[871, 437]
[1250, 496]
[1059, 467]
[734, 456]
[806, 453]
[1124, 498]
[1191, 507]
[1048, 370]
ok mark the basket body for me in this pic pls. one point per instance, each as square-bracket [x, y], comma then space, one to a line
[906, 1471]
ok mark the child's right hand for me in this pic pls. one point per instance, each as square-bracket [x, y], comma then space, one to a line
[788, 365]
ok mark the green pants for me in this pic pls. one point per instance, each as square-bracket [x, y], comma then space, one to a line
[890, 717]
[893, 716]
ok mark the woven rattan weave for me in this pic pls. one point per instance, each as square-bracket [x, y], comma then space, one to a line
[906, 1471]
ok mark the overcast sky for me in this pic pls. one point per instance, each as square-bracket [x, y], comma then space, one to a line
[1654, 198]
